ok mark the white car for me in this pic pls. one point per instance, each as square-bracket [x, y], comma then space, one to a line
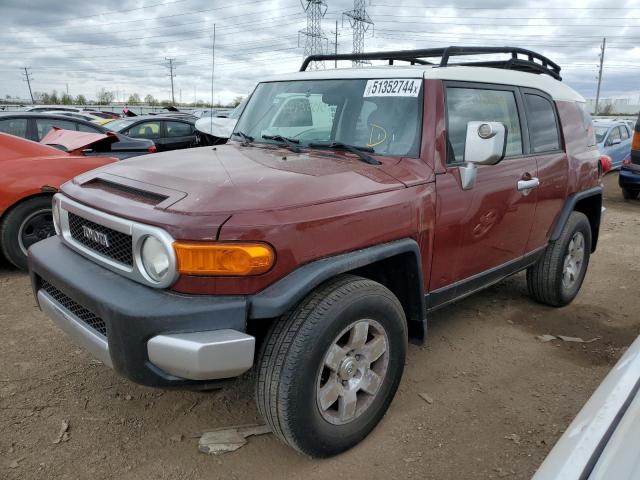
[601, 442]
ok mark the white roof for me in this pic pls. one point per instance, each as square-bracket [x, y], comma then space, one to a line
[556, 89]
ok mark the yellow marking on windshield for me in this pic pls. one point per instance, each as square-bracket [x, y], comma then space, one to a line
[373, 143]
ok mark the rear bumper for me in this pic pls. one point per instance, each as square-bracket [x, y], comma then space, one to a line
[629, 178]
[153, 337]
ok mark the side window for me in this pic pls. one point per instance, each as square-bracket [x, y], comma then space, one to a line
[44, 125]
[614, 136]
[543, 126]
[14, 126]
[624, 133]
[145, 130]
[474, 104]
[295, 113]
[178, 129]
[87, 128]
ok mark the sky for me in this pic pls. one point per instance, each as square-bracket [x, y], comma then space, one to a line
[122, 45]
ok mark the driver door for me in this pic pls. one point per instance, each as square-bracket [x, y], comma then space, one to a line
[487, 226]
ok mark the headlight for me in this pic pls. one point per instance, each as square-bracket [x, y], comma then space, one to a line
[55, 212]
[155, 258]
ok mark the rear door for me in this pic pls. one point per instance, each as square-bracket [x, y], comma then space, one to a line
[44, 125]
[150, 130]
[178, 135]
[547, 150]
[487, 226]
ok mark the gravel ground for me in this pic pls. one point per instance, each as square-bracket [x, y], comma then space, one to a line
[501, 398]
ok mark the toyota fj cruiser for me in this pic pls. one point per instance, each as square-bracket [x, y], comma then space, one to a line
[349, 204]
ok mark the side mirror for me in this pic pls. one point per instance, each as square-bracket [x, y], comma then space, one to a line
[485, 144]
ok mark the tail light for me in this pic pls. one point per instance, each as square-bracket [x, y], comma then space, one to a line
[626, 161]
[605, 164]
[152, 149]
[635, 144]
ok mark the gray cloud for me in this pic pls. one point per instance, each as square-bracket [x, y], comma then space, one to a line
[117, 45]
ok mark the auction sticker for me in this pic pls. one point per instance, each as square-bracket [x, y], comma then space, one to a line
[393, 87]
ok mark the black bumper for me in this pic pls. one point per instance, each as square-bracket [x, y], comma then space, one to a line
[133, 313]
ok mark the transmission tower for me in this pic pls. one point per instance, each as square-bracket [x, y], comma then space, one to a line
[28, 78]
[315, 40]
[360, 23]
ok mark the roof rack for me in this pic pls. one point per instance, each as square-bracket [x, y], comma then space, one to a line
[532, 62]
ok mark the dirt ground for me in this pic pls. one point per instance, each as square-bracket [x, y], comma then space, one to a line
[501, 398]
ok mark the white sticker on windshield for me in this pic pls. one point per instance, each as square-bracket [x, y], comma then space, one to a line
[393, 87]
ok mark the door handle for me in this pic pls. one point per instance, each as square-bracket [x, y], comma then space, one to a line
[528, 184]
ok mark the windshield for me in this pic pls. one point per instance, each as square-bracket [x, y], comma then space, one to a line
[384, 115]
[118, 125]
[601, 132]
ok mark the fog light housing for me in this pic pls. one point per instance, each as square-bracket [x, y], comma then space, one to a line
[155, 258]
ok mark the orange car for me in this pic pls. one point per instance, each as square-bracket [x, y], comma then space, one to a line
[30, 173]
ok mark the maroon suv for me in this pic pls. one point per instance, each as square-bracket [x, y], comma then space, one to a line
[348, 205]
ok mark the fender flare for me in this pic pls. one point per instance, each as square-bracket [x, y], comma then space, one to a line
[569, 206]
[287, 292]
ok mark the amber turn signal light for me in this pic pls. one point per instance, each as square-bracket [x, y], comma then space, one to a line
[240, 259]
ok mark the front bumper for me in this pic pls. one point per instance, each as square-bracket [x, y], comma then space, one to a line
[629, 178]
[153, 337]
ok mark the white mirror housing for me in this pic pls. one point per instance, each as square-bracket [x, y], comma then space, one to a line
[486, 143]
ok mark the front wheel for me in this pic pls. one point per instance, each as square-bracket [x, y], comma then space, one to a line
[25, 224]
[328, 370]
[557, 276]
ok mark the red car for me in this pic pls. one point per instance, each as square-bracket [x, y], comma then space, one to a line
[30, 173]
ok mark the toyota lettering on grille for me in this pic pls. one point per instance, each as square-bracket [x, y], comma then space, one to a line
[95, 236]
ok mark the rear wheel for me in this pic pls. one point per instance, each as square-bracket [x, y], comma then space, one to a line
[328, 371]
[25, 224]
[629, 194]
[557, 276]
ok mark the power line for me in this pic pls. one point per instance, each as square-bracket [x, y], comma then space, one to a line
[440, 7]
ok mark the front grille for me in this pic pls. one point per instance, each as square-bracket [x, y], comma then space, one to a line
[88, 318]
[119, 244]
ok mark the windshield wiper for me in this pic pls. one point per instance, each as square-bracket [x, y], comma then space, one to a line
[246, 139]
[289, 142]
[361, 152]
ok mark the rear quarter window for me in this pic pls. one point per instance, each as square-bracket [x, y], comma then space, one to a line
[543, 125]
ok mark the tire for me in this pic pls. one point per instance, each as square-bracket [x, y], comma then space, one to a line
[26, 223]
[546, 279]
[629, 194]
[293, 371]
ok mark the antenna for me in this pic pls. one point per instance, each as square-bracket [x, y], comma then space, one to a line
[315, 39]
[360, 23]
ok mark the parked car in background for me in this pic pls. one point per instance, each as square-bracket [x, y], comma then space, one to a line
[629, 179]
[30, 173]
[167, 132]
[87, 116]
[602, 441]
[219, 128]
[614, 139]
[35, 125]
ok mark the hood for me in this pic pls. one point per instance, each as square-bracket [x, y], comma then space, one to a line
[232, 178]
[74, 142]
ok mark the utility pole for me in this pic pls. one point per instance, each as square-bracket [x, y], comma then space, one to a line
[213, 68]
[335, 63]
[602, 47]
[360, 22]
[171, 74]
[27, 76]
[315, 39]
